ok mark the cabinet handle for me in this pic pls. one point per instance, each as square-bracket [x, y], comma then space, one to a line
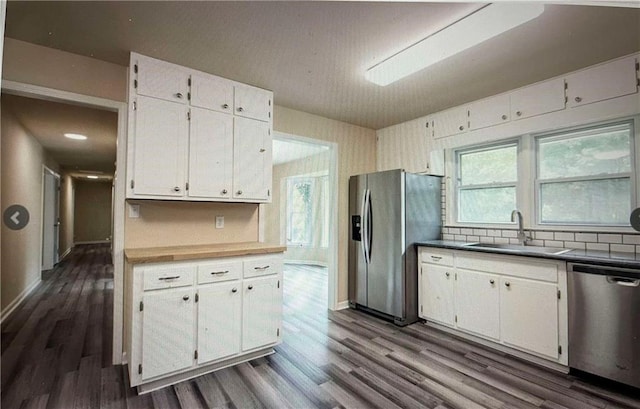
[461, 127]
[250, 287]
[224, 191]
[447, 274]
[186, 298]
[176, 189]
[261, 268]
[492, 282]
[234, 290]
[168, 278]
[179, 95]
[219, 273]
[225, 106]
[507, 284]
[239, 192]
[240, 109]
[519, 113]
[436, 258]
[578, 99]
[504, 117]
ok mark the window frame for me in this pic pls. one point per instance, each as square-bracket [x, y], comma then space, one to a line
[517, 185]
[564, 133]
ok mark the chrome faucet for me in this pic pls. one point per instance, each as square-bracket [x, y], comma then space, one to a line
[522, 237]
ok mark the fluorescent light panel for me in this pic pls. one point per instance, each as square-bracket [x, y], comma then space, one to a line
[75, 136]
[92, 177]
[472, 30]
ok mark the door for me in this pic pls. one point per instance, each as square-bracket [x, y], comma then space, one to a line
[252, 165]
[210, 154]
[529, 315]
[162, 80]
[357, 265]
[450, 122]
[253, 103]
[167, 332]
[261, 312]
[538, 99]
[478, 303]
[210, 92]
[437, 294]
[385, 232]
[489, 112]
[219, 321]
[161, 137]
[50, 219]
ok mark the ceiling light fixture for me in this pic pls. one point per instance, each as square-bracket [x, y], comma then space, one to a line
[92, 177]
[75, 136]
[470, 31]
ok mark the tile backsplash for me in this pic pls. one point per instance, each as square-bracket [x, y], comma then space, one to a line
[604, 241]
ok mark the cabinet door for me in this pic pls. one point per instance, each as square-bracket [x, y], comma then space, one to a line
[162, 80]
[478, 303]
[261, 312]
[253, 103]
[450, 122]
[529, 315]
[159, 153]
[167, 332]
[437, 294]
[605, 81]
[219, 318]
[538, 99]
[211, 92]
[210, 154]
[489, 112]
[252, 166]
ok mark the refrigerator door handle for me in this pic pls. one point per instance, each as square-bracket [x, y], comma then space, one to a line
[369, 227]
[363, 226]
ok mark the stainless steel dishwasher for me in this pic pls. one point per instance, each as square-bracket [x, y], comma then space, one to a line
[604, 321]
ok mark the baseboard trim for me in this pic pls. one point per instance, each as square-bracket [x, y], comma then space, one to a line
[65, 254]
[16, 302]
[306, 262]
[92, 242]
[342, 305]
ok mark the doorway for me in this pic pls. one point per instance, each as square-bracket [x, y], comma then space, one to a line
[50, 218]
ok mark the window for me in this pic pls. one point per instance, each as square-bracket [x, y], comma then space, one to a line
[487, 181]
[584, 176]
[299, 210]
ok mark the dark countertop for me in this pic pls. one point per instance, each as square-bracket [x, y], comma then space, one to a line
[593, 257]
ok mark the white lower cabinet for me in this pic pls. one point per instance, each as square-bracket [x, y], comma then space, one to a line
[189, 318]
[518, 302]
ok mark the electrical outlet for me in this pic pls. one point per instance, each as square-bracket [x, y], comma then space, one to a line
[134, 211]
[219, 222]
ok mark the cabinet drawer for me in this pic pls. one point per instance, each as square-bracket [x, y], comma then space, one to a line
[436, 256]
[525, 267]
[214, 272]
[262, 266]
[168, 277]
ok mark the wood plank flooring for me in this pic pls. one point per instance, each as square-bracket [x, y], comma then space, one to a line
[56, 352]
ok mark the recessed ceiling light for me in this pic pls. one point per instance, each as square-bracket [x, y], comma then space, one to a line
[472, 30]
[92, 177]
[76, 136]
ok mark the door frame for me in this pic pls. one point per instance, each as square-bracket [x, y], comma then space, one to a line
[332, 265]
[120, 107]
[45, 198]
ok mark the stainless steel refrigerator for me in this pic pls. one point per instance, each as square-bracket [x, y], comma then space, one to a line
[390, 211]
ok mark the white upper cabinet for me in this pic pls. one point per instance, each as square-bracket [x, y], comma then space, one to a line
[188, 128]
[161, 80]
[210, 154]
[538, 99]
[253, 103]
[159, 147]
[450, 122]
[211, 93]
[489, 112]
[252, 158]
[605, 81]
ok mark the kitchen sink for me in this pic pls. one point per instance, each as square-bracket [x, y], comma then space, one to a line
[519, 247]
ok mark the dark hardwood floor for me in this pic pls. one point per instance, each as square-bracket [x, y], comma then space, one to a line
[56, 352]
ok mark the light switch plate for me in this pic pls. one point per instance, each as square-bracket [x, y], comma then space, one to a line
[219, 222]
[134, 211]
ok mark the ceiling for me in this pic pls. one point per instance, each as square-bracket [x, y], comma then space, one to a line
[313, 55]
[48, 122]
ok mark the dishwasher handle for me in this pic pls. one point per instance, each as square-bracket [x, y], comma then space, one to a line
[624, 281]
[617, 272]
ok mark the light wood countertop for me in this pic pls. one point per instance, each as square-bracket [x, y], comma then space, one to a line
[181, 253]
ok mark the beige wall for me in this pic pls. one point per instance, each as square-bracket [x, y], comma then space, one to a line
[92, 211]
[47, 67]
[66, 213]
[185, 223]
[356, 154]
[21, 167]
[275, 212]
